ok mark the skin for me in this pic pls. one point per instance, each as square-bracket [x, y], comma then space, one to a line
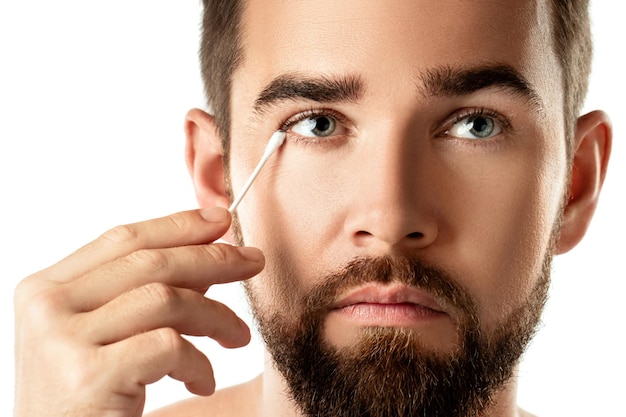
[391, 178]
[392, 182]
[385, 176]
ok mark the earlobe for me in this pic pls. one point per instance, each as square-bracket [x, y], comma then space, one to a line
[204, 157]
[592, 148]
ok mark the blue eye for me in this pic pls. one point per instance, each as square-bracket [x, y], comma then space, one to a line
[316, 126]
[475, 127]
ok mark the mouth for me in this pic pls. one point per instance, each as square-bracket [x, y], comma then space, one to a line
[394, 305]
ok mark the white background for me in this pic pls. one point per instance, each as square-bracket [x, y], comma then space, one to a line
[92, 99]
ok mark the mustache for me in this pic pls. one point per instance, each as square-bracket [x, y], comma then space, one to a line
[409, 271]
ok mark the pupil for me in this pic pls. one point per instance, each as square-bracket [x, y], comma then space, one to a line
[481, 126]
[322, 124]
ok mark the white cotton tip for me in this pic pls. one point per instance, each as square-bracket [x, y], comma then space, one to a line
[275, 142]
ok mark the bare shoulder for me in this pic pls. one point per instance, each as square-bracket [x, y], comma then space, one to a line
[239, 400]
[524, 413]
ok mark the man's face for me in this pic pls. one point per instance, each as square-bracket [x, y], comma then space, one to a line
[417, 130]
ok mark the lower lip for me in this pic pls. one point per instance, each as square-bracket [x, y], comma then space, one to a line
[401, 314]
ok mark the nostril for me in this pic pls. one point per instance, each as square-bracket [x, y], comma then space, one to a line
[414, 235]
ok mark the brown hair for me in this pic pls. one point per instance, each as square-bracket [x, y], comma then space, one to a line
[571, 41]
[221, 53]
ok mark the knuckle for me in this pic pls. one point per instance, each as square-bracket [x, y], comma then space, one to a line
[30, 286]
[43, 306]
[22, 291]
[218, 254]
[124, 234]
[153, 260]
[86, 370]
[160, 294]
[170, 339]
[178, 221]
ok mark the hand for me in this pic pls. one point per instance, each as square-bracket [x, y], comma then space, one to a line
[93, 330]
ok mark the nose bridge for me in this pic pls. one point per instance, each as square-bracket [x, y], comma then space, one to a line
[392, 202]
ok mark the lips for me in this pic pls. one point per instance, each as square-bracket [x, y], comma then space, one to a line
[390, 294]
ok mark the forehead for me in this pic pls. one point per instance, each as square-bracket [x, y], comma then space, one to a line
[390, 42]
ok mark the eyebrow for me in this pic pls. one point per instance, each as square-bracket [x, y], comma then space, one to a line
[441, 81]
[450, 81]
[322, 89]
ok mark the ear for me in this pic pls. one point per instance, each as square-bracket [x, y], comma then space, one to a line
[592, 148]
[204, 157]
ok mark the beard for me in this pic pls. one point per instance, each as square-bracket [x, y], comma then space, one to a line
[390, 371]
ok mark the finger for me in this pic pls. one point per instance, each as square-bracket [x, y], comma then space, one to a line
[180, 229]
[193, 267]
[157, 305]
[148, 357]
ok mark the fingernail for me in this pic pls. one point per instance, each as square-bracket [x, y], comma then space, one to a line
[214, 214]
[252, 254]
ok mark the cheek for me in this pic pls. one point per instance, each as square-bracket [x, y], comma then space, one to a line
[290, 214]
[506, 219]
[308, 196]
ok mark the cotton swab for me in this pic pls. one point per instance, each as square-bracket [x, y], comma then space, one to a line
[275, 142]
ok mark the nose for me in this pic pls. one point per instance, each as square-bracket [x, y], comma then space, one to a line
[393, 204]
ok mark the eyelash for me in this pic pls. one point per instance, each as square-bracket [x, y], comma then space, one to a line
[312, 113]
[504, 122]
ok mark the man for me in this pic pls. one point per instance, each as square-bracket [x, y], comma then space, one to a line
[434, 162]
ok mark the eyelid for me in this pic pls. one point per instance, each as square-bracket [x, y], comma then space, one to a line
[314, 112]
[465, 113]
[450, 121]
